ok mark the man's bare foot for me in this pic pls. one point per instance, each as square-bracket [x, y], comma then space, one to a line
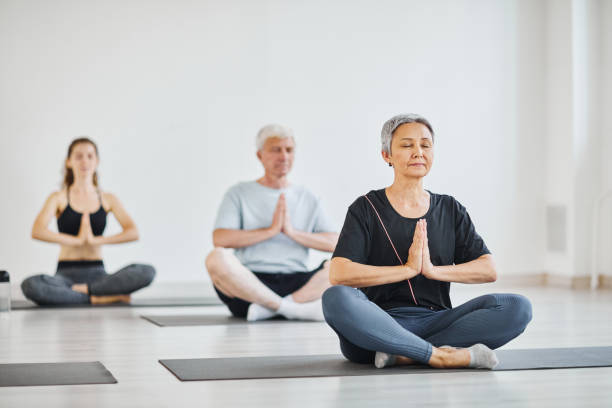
[103, 300]
[81, 288]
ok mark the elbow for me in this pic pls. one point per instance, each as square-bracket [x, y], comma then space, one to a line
[492, 275]
[132, 233]
[492, 270]
[35, 233]
[333, 279]
[334, 273]
[218, 242]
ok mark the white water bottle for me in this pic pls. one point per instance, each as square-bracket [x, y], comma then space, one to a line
[5, 292]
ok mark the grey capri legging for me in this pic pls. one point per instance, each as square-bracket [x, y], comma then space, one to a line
[364, 328]
[56, 290]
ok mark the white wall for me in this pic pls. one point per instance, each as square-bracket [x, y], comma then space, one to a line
[575, 134]
[587, 125]
[559, 127]
[174, 92]
[605, 17]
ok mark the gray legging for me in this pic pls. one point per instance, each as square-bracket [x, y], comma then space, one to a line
[364, 328]
[56, 290]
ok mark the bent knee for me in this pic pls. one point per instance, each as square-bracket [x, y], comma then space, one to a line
[31, 287]
[335, 293]
[336, 298]
[215, 259]
[519, 308]
[147, 273]
[27, 286]
[524, 309]
[217, 262]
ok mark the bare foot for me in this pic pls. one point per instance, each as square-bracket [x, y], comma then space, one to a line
[441, 357]
[80, 287]
[449, 358]
[103, 300]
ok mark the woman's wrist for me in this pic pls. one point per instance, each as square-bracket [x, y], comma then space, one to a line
[71, 240]
[410, 271]
[433, 273]
[96, 241]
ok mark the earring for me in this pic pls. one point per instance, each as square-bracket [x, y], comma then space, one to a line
[390, 165]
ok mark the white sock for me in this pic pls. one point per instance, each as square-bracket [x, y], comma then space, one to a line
[301, 311]
[258, 312]
[382, 360]
[482, 357]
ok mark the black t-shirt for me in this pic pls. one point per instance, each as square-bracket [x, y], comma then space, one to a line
[451, 235]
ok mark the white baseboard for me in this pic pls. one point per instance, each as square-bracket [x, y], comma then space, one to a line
[554, 280]
[523, 279]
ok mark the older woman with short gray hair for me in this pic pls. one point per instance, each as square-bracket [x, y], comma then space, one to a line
[398, 252]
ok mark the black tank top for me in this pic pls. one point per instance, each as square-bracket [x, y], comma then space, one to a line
[69, 221]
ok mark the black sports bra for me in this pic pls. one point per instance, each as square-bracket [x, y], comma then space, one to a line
[69, 221]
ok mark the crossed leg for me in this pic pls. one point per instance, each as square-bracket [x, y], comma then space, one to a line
[234, 280]
[364, 328]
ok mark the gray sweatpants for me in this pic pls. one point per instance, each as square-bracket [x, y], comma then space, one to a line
[56, 290]
[364, 328]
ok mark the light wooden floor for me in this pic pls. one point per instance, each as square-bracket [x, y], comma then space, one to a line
[130, 347]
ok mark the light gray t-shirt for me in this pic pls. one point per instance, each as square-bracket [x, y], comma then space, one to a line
[249, 205]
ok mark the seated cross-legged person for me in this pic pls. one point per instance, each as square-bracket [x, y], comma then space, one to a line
[81, 209]
[398, 252]
[271, 224]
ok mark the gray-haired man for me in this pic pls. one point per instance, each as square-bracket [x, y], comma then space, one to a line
[271, 224]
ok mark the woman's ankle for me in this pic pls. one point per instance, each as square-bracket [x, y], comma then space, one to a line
[449, 358]
[101, 300]
[81, 288]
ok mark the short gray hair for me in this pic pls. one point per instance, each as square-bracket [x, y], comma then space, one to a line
[272, 130]
[389, 127]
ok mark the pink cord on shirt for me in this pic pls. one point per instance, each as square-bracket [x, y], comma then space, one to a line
[393, 246]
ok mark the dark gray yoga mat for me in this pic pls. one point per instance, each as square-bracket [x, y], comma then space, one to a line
[153, 302]
[13, 375]
[336, 366]
[207, 320]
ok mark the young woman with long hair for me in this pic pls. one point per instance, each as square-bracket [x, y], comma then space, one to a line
[81, 209]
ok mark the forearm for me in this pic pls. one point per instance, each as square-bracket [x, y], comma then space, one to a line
[345, 272]
[481, 270]
[47, 235]
[321, 241]
[230, 238]
[127, 235]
